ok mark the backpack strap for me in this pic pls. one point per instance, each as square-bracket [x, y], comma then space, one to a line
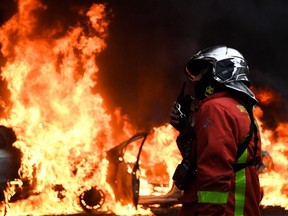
[243, 146]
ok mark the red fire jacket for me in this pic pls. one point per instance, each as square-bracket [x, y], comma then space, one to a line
[221, 124]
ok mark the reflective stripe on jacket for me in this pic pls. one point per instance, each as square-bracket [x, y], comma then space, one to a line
[221, 124]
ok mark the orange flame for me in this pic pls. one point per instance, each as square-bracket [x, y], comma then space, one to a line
[274, 141]
[59, 123]
[63, 129]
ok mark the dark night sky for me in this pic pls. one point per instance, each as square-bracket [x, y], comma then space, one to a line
[150, 41]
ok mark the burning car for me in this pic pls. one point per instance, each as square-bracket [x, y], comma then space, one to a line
[124, 178]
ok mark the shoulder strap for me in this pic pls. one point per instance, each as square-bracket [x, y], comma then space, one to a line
[244, 145]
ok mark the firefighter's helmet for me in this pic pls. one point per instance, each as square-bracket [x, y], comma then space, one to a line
[229, 68]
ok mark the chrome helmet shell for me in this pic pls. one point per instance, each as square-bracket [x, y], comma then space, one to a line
[229, 67]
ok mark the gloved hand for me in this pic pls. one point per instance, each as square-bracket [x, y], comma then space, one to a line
[179, 121]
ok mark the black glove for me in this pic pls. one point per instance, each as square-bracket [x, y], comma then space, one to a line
[180, 118]
[180, 111]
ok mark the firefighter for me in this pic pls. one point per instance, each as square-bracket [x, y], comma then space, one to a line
[219, 139]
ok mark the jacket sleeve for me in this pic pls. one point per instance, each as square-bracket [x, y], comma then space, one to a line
[216, 152]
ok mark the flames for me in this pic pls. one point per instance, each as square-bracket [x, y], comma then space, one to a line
[62, 125]
[274, 141]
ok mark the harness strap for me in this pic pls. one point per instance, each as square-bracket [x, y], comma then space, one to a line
[243, 146]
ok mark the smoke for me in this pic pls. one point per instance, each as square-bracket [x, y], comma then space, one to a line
[150, 41]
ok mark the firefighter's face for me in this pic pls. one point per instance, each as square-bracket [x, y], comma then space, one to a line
[194, 80]
[195, 69]
[200, 75]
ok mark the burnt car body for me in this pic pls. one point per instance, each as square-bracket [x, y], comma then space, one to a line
[10, 158]
[123, 178]
[126, 185]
